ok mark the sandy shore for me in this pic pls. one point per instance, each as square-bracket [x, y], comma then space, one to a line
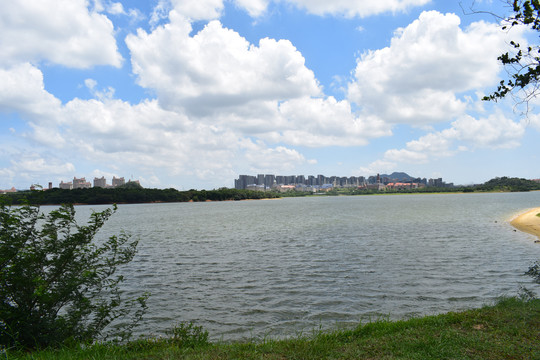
[528, 222]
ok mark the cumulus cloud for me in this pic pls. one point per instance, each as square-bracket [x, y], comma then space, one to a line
[218, 78]
[418, 78]
[34, 163]
[494, 132]
[27, 164]
[216, 68]
[22, 90]
[69, 34]
[281, 159]
[318, 122]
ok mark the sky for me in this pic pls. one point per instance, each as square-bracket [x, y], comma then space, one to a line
[190, 94]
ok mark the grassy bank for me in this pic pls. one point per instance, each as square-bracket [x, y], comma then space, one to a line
[508, 330]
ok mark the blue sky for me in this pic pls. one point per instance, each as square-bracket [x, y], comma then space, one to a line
[192, 93]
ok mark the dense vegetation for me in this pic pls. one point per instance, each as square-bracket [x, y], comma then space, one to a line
[509, 184]
[133, 195]
[508, 330]
[57, 285]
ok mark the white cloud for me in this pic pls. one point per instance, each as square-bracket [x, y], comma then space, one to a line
[199, 9]
[160, 12]
[35, 163]
[261, 159]
[27, 165]
[494, 132]
[146, 137]
[377, 167]
[421, 151]
[254, 8]
[406, 156]
[216, 68]
[317, 122]
[90, 84]
[218, 78]
[63, 32]
[354, 8]
[104, 94]
[22, 91]
[115, 8]
[417, 79]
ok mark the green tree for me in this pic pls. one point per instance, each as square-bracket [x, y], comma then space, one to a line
[523, 65]
[58, 285]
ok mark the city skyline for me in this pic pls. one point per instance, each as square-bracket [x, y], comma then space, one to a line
[193, 93]
[269, 181]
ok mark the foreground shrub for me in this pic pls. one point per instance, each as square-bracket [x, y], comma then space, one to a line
[189, 335]
[56, 284]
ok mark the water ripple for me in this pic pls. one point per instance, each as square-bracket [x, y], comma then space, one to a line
[280, 268]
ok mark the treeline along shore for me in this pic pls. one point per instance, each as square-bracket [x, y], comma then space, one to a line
[134, 193]
[93, 196]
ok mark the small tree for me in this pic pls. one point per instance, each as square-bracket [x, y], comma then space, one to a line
[56, 284]
[524, 64]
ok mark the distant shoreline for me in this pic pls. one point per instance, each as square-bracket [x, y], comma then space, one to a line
[528, 222]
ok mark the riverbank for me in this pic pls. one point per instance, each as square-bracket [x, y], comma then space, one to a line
[507, 330]
[528, 222]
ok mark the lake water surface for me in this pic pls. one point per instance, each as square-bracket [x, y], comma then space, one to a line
[280, 267]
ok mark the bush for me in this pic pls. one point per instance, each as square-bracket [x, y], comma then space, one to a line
[189, 335]
[56, 285]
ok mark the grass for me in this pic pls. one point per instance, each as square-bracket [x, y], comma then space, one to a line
[509, 329]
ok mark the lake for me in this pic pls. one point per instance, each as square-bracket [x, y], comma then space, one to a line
[277, 268]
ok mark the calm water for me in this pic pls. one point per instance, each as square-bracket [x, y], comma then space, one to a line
[279, 267]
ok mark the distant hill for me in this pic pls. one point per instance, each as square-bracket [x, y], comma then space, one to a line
[399, 176]
[509, 184]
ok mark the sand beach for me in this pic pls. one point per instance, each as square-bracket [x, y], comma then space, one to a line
[528, 222]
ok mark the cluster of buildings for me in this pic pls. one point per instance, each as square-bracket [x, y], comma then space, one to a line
[264, 182]
[8, 191]
[81, 183]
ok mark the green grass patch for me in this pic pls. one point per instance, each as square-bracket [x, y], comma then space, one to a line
[507, 330]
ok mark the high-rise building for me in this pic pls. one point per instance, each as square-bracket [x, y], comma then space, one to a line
[100, 182]
[245, 180]
[65, 186]
[81, 183]
[118, 181]
[269, 181]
